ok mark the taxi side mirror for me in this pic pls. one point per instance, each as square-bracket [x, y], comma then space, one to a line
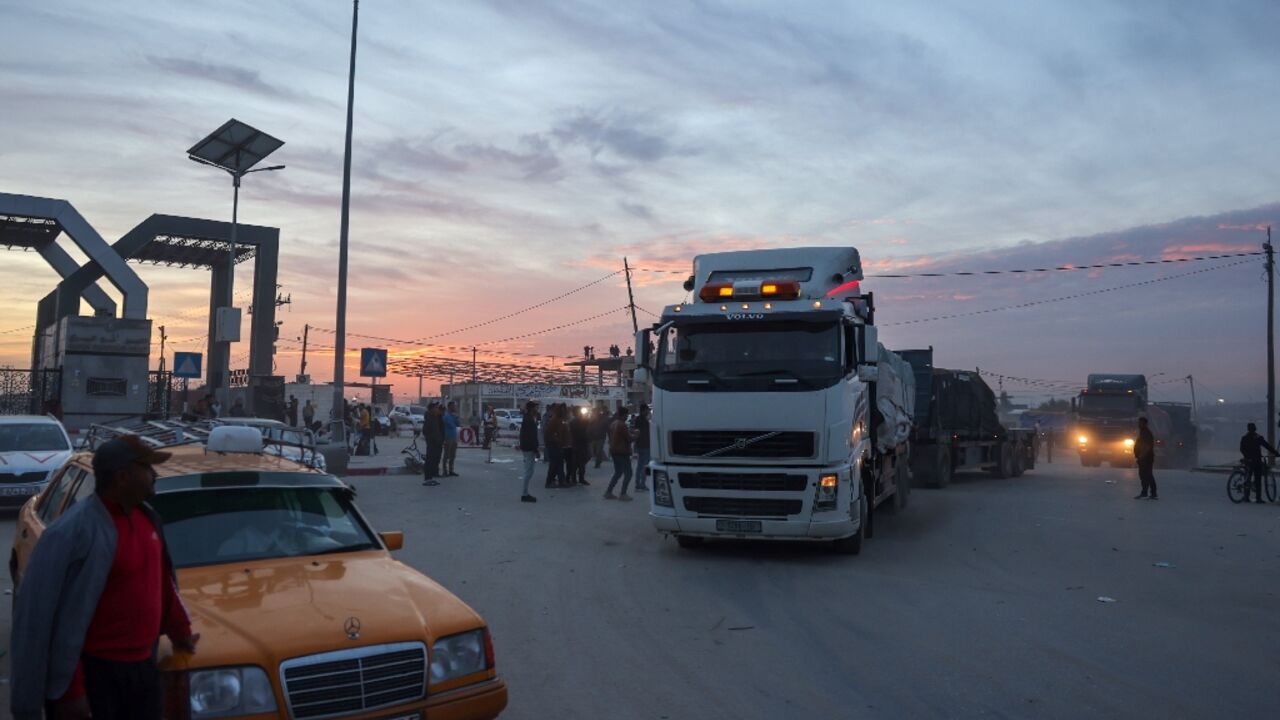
[394, 540]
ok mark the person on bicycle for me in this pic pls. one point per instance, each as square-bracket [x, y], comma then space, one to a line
[1251, 446]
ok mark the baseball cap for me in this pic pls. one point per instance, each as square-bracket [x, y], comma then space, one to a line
[118, 453]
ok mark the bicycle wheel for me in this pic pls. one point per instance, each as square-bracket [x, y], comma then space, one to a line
[1238, 486]
[1269, 486]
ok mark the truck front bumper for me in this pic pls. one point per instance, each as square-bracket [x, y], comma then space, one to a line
[806, 524]
[769, 529]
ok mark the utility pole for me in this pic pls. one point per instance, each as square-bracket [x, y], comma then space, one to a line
[163, 337]
[475, 409]
[340, 327]
[1271, 341]
[631, 299]
[1194, 412]
[306, 330]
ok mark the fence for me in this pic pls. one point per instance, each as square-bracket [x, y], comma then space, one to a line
[159, 393]
[30, 392]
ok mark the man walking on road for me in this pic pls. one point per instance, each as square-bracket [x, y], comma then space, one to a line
[599, 432]
[308, 414]
[1251, 446]
[620, 450]
[642, 447]
[450, 439]
[433, 436]
[529, 446]
[1144, 450]
[490, 426]
[98, 593]
[291, 412]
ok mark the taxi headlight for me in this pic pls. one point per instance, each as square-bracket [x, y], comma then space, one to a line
[1082, 440]
[229, 692]
[1128, 442]
[457, 656]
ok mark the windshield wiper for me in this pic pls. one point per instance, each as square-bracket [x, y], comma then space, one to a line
[677, 371]
[356, 547]
[775, 371]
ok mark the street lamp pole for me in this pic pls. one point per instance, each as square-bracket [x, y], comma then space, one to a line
[340, 347]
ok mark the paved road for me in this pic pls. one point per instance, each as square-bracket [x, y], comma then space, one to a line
[979, 601]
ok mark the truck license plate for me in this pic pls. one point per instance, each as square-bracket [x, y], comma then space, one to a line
[16, 491]
[738, 526]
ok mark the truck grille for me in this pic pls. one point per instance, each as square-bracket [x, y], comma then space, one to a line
[26, 477]
[737, 443]
[354, 681]
[743, 507]
[735, 481]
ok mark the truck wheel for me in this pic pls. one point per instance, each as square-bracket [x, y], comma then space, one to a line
[1090, 461]
[689, 542]
[942, 468]
[852, 545]
[1019, 460]
[902, 495]
[1004, 464]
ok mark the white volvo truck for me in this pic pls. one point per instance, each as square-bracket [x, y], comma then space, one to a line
[776, 412]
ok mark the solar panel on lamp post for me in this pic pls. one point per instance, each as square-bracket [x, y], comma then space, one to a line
[234, 148]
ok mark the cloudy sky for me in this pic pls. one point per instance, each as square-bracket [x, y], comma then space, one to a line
[507, 152]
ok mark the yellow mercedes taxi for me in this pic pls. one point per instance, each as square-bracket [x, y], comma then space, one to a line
[301, 609]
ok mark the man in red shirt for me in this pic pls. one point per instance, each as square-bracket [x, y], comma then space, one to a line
[104, 568]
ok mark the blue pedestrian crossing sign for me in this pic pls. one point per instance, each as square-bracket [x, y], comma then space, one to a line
[373, 362]
[187, 364]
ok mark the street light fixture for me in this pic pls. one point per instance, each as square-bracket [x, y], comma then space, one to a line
[234, 148]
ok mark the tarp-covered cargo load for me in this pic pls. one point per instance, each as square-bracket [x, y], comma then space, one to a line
[964, 406]
[895, 399]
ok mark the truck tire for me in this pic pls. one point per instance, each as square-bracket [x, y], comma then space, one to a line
[1090, 461]
[1019, 459]
[852, 545]
[902, 493]
[689, 542]
[1004, 464]
[941, 468]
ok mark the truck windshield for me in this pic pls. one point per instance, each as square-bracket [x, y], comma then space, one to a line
[1108, 404]
[747, 356]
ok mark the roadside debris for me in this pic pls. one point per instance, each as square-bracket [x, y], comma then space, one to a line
[1105, 599]
[1164, 565]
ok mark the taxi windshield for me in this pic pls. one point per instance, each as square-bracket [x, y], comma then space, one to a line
[236, 524]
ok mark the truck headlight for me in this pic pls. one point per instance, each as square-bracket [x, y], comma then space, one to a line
[229, 692]
[1082, 440]
[828, 486]
[662, 489]
[459, 655]
[1128, 442]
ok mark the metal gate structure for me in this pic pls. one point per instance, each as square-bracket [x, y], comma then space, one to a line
[159, 394]
[30, 392]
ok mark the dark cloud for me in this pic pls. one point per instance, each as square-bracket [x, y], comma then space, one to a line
[644, 212]
[620, 136]
[535, 159]
[231, 76]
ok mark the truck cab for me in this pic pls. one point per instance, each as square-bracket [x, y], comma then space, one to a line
[776, 412]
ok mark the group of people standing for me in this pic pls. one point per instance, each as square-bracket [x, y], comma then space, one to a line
[440, 432]
[573, 437]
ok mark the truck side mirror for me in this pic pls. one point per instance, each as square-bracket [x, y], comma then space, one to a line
[869, 353]
[642, 348]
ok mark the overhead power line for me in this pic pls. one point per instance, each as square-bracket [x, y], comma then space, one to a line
[522, 311]
[1063, 298]
[1017, 271]
[467, 348]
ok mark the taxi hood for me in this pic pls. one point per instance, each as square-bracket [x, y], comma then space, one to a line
[267, 611]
